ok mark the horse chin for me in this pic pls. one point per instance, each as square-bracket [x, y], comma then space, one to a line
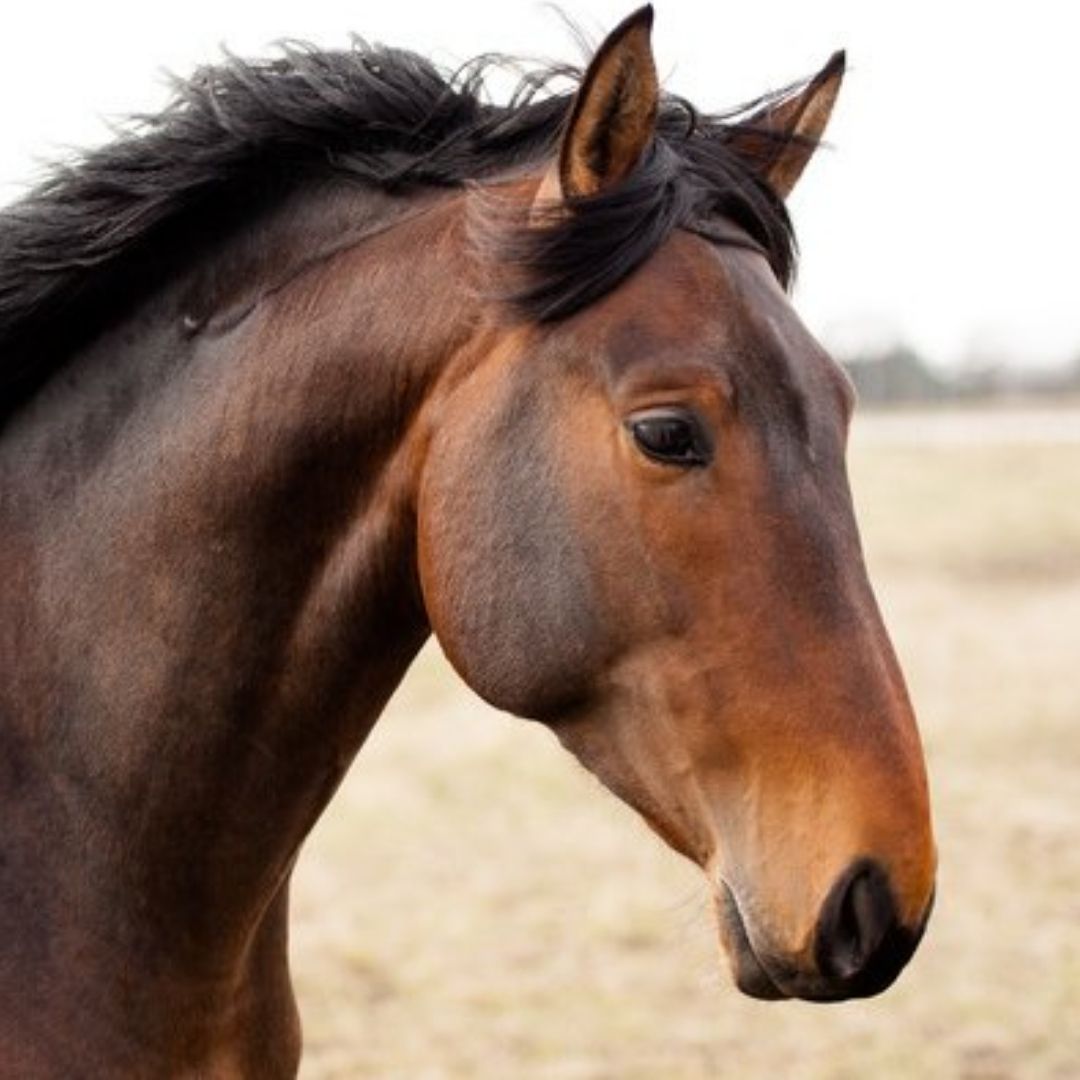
[747, 969]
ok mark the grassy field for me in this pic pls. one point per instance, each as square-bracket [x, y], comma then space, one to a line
[474, 906]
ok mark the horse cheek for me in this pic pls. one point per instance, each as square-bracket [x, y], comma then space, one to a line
[504, 571]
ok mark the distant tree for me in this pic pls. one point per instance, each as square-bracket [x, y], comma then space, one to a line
[1072, 376]
[897, 375]
[982, 379]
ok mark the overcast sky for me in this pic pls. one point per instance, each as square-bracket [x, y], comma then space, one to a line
[946, 215]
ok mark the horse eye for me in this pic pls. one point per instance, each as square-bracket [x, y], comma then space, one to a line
[670, 436]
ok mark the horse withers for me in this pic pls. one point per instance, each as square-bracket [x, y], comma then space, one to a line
[334, 354]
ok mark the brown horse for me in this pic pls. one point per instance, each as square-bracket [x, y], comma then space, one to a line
[333, 354]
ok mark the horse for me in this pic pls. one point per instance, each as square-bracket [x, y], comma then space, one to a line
[334, 354]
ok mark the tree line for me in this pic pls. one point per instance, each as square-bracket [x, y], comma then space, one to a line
[899, 375]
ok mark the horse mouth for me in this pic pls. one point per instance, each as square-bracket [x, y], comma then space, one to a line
[749, 973]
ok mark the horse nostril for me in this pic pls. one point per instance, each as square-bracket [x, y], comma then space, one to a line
[858, 915]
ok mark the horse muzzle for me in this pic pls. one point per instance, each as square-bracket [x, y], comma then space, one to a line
[859, 943]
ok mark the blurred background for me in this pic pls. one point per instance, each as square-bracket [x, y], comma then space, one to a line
[473, 905]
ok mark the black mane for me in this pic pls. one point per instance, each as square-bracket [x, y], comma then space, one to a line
[100, 232]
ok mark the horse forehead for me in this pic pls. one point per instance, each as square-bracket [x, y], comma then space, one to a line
[700, 313]
[714, 306]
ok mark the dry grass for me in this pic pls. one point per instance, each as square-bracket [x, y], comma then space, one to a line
[473, 906]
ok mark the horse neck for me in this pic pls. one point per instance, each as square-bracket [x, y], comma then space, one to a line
[210, 593]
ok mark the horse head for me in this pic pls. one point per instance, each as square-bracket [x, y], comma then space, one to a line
[635, 526]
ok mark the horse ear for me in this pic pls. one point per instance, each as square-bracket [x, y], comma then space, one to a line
[613, 116]
[780, 139]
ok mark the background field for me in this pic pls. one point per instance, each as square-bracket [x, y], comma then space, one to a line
[473, 905]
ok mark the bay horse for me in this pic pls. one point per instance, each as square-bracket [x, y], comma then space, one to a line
[333, 354]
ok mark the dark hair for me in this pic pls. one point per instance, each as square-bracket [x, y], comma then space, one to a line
[75, 251]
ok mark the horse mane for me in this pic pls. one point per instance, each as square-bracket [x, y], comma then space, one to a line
[104, 228]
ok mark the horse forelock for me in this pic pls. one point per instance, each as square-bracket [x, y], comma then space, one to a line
[548, 266]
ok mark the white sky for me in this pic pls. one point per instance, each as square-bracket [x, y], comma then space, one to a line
[947, 214]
